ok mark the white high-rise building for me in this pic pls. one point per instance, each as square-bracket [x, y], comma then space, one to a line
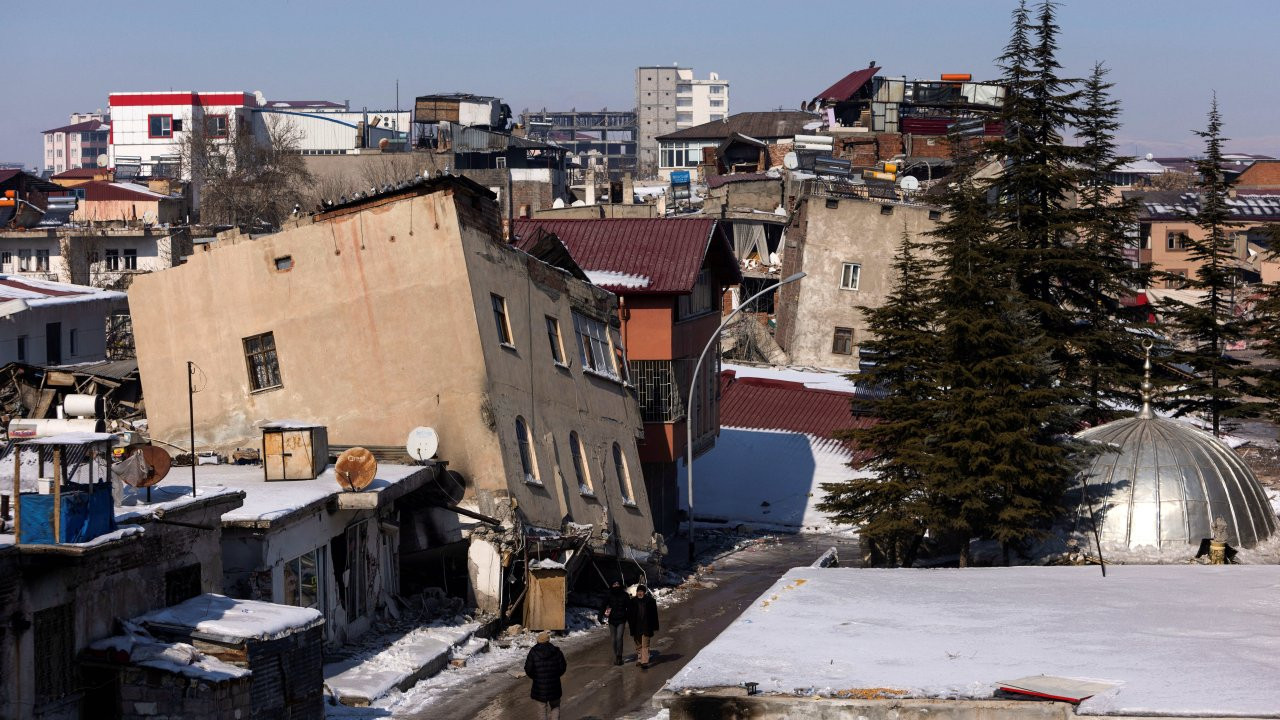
[670, 99]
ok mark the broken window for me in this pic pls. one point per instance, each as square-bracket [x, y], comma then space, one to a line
[624, 474]
[302, 580]
[357, 585]
[500, 318]
[264, 366]
[528, 460]
[24, 260]
[842, 343]
[580, 467]
[55, 652]
[557, 342]
[593, 346]
[42, 260]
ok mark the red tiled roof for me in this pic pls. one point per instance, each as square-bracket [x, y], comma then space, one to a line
[86, 126]
[766, 404]
[669, 252]
[848, 85]
[6, 174]
[79, 173]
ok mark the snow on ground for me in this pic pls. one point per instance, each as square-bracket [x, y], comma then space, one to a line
[249, 619]
[374, 674]
[767, 478]
[814, 379]
[1181, 640]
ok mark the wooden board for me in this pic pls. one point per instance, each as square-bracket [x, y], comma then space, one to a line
[1051, 687]
[544, 602]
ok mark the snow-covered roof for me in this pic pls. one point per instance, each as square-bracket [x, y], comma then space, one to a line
[1179, 639]
[814, 379]
[221, 616]
[24, 292]
[272, 502]
[605, 278]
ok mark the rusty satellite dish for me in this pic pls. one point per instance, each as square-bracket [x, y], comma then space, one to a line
[145, 466]
[355, 469]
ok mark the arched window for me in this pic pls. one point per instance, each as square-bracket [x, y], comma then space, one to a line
[528, 460]
[624, 475]
[580, 464]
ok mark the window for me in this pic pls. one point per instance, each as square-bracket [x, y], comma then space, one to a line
[130, 258]
[42, 260]
[6, 259]
[112, 258]
[284, 263]
[580, 464]
[73, 342]
[528, 460]
[717, 116]
[717, 89]
[684, 102]
[658, 389]
[159, 126]
[717, 103]
[264, 366]
[624, 476]
[702, 300]
[59, 152]
[177, 125]
[684, 117]
[22, 348]
[215, 126]
[849, 275]
[1176, 240]
[181, 584]
[842, 343]
[935, 214]
[684, 88]
[500, 319]
[593, 346]
[357, 561]
[24, 260]
[303, 583]
[557, 342]
[886, 209]
[55, 652]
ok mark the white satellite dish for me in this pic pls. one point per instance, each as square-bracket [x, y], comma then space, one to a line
[813, 125]
[790, 161]
[909, 183]
[1150, 156]
[422, 443]
[103, 160]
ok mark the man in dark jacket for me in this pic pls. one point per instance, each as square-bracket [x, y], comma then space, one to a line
[643, 618]
[615, 611]
[544, 665]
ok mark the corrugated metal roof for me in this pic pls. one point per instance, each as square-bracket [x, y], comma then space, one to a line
[110, 369]
[846, 86]
[766, 404]
[80, 172]
[97, 190]
[86, 126]
[759, 125]
[647, 255]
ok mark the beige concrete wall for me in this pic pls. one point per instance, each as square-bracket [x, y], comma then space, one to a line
[855, 231]
[383, 323]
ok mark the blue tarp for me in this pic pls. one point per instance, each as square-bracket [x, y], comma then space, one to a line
[85, 515]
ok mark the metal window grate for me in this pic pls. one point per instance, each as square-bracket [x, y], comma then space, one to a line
[264, 368]
[55, 651]
[659, 390]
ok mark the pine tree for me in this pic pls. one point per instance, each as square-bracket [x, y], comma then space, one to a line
[1105, 353]
[893, 507]
[996, 466]
[1210, 324]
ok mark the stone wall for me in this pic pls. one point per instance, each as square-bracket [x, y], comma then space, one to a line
[150, 694]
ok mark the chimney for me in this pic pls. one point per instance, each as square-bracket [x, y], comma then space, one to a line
[628, 190]
[591, 185]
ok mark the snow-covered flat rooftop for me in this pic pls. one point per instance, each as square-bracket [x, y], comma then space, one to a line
[226, 617]
[1180, 640]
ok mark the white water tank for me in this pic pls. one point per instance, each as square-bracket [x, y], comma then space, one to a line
[24, 429]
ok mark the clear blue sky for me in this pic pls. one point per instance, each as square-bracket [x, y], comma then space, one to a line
[1167, 56]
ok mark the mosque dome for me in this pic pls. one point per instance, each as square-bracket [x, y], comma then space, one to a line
[1162, 483]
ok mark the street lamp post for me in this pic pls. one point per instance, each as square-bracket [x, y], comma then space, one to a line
[693, 386]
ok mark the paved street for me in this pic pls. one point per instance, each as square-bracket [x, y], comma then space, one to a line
[595, 688]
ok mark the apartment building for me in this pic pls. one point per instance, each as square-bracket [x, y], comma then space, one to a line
[670, 99]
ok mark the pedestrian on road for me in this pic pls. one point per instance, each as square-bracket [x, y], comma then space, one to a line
[544, 666]
[615, 611]
[643, 618]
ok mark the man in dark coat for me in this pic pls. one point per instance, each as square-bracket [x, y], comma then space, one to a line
[544, 665]
[615, 611]
[643, 618]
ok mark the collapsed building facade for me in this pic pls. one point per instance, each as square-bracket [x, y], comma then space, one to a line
[406, 309]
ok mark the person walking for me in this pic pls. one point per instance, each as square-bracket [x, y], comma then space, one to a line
[615, 610]
[643, 618]
[544, 665]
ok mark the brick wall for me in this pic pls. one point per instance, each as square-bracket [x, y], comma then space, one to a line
[150, 694]
[779, 151]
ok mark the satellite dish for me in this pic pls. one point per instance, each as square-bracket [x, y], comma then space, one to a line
[422, 443]
[158, 464]
[355, 469]
[909, 183]
[383, 144]
[103, 160]
[815, 125]
[790, 161]
[1150, 156]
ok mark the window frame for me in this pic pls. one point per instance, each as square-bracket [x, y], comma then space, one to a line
[162, 136]
[836, 338]
[527, 452]
[270, 359]
[623, 470]
[556, 340]
[111, 257]
[578, 452]
[502, 321]
[845, 276]
[318, 571]
[210, 131]
[595, 353]
[1170, 236]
